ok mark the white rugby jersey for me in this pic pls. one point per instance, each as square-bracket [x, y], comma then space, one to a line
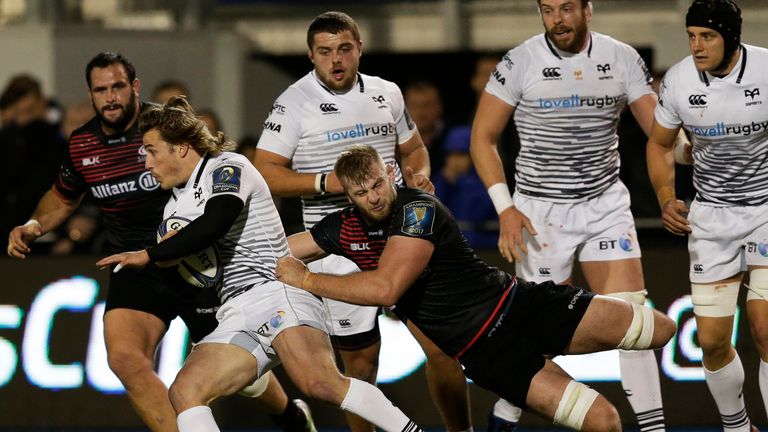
[311, 125]
[727, 120]
[567, 109]
[250, 249]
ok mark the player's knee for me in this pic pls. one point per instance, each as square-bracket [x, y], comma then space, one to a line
[185, 393]
[257, 388]
[602, 417]
[361, 367]
[640, 333]
[325, 389]
[715, 346]
[128, 364]
[576, 402]
[665, 329]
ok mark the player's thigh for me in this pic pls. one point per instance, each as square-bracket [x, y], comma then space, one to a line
[213, 370]
[308, 359]
[606, 277]
[128, 332]
[602, 326]
[551, 251]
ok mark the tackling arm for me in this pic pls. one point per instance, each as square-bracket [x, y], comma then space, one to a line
[402, 262]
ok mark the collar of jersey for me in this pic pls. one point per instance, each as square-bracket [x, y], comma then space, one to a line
[706, 77]
[197, 173]
[358, 82]
[560, 54]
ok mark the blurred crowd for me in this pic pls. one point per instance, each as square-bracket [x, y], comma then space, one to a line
[34, 129]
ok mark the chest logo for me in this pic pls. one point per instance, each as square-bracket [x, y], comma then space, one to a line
[697, 100]
[551, 73]
[328, 108]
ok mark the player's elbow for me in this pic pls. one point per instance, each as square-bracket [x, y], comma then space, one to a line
[388, 295]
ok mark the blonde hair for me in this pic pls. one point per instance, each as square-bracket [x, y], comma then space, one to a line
[177, 123]
[354, 164]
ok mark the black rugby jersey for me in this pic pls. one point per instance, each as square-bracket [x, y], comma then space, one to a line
[455, 297]
[111, 169]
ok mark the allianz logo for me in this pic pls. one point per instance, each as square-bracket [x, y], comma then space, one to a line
[106, 190]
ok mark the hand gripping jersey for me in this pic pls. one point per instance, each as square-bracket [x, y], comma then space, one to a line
[567, 109]
[457, 292]
[111, 169]
[250, 249]
[727, 120]
[311, 125]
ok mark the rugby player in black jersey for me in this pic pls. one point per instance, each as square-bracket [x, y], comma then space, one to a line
[105, 158]
[415, 259]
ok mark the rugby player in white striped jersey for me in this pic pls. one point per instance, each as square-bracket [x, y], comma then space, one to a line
[715, 95]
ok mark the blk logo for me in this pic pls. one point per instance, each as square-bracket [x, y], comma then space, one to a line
[552, 72]
[604, 68]
[697, 100]
[752, 93]
[328, 108]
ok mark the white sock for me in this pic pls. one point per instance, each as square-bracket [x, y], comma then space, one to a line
[197, 419]
[725, 386]
[369, 402]
[506, 411]
[640, 380]
[763, 381]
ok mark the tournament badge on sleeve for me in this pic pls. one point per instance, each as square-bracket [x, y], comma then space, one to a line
[226, 179]
[418, 218]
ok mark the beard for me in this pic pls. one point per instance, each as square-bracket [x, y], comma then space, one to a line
[575, 45]
[121, 122]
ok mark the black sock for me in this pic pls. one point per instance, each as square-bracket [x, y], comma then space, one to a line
[292, 419]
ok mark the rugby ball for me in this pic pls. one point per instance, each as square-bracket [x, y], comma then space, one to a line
[203, 269]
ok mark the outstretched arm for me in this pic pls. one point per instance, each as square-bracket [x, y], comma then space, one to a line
[304, 247]
[52, 210]
[402, 262]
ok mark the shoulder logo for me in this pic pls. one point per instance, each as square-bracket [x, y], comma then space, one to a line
[551, 73]
[508, 63]
[418, 218]
[697, 100]
[226, 179]
[277, 109]
[274, 127]
[378, 99]
[497, 76]
[328, 108]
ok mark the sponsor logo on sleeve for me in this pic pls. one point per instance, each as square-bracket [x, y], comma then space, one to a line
[226, 179]
[418, 218]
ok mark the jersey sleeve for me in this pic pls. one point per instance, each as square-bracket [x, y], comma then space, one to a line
[327, 233]
[282, 128]
[666, 114]
[637, 76]
[70, 184]
[418, 218]
[404, 124]
[506, 81]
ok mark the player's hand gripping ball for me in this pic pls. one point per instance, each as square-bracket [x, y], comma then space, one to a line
[203, 269]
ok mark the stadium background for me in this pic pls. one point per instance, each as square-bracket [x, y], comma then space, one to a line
[237, 56]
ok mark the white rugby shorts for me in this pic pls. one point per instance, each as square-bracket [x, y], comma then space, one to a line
[599, 229]
[344, 319]
[254, 318]
[726, 240]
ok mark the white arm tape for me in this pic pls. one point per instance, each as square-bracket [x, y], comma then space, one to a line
[318, 179]
[500, 196]
[33, 222]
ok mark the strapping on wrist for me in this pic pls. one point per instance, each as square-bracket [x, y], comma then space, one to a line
[500, 197]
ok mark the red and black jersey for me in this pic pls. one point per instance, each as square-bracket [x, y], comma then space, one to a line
[456, 294]
[111, 169]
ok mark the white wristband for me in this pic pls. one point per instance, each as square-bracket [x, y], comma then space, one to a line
[500, 196]
[33, 222]
[318, 180]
